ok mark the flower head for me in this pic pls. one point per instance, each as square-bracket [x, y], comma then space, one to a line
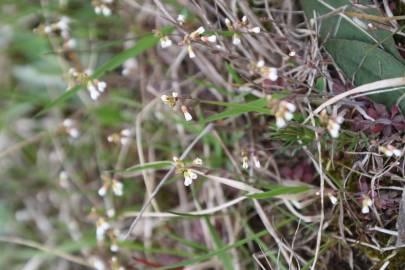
[284, 113]
[171, 101]
[366, 204]
[390, 151]
[332, 123]
[165, 42]
[70, 127]
[187, 172]
[116, 186]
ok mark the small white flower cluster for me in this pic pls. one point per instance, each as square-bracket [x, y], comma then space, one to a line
[188, 173]
[196, 36]
[254, 160]
[61, 26]
[366, 204]
[116, 186]
[94, 86]
[165, 42]
[270, 73]
[390, 151]
[181, 19]
[332, 123]
[123, 137]
[70, 127]
[103, 7]
[239, 26]
[285, 112]
[172, 100]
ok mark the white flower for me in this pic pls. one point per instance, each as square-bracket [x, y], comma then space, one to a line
[110, 212]
[284, 113]
[117, 187]
[71, 43]
[191, 53]
[189, 176]
[70, 127]
[165, 42]
[236, 40]
[390, 151]
[96, 87]
[260, 63]
[102, 191]
[273, 74]
[332, 198]
[186, 113]
[256, 161]
[280, 122]
[181, 19]
[255, 30]
[114, 248]
[212, 38]
[244, 19]
[170, 100]
[200, 30]
[97, 263]
[198, 161]
[245, 162]
[128, 66]
[292, 53]
[366, 204]
[101, 228]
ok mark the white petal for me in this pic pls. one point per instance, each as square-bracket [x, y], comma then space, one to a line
[235, 40]
[114, 248]
[334, 132]
[280, 122]
[255, 30]
[102, 191]
[188, 181]
[365, 210]
[191, 53]
[188, 116]
[106, 11]
[197, 161]
[288, 116]
[200, 30]
[212, 38]
[193, 175]
[290, 106]
[397, 152]
[117, 188]
[244, 19]
[260, 63]
[273, 74]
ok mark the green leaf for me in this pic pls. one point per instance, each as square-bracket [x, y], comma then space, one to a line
[158, 165]
[237, 109]
[142, 45]
[341, 26]
[365, 63]
[277, 191]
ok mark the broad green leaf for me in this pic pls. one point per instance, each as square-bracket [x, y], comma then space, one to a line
[158, 165]
[281, 190]
[365, 63]
[142, 45]
[342, 26]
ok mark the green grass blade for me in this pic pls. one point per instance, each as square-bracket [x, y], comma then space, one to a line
[277, 191]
